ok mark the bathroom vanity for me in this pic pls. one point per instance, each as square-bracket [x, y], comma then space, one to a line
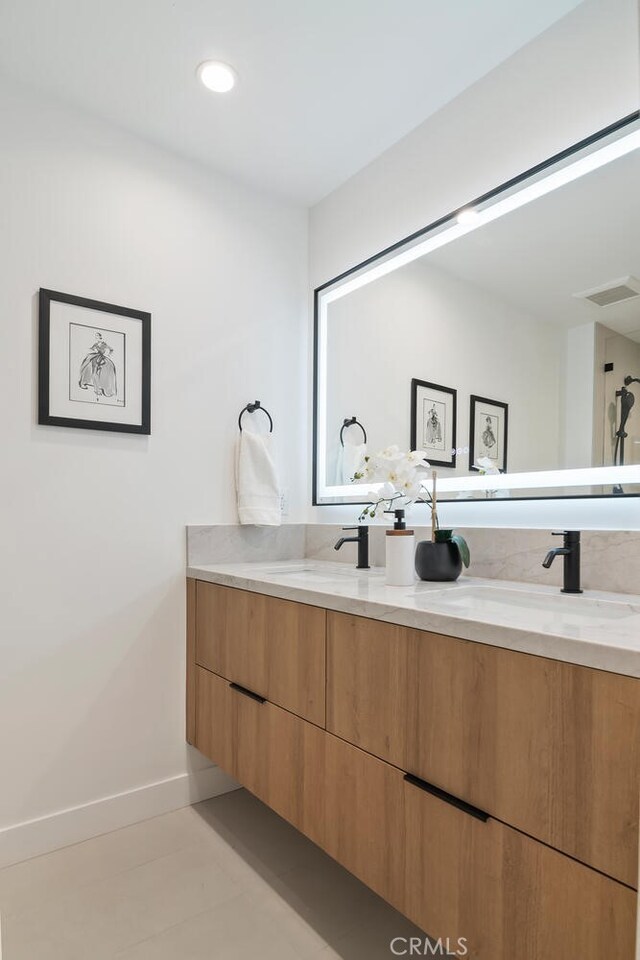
[471, 753]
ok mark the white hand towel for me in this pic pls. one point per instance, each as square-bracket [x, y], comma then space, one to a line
[257, 487]
[350, 461]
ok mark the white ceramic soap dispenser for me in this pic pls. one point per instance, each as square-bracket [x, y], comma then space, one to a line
[400, 552]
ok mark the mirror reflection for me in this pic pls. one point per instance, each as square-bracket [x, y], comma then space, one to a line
[514, 348]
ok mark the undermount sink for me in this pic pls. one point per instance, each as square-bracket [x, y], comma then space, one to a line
[307, 572]
[482, 599]
[287, 569]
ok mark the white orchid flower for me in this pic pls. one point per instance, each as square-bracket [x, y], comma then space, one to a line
[410, 487]
[390, 453]
[386, 492]
[485, 465]
[401, 477]
[393, 477]
[418, 458]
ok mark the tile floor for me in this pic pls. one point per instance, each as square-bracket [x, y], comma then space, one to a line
[223, 880]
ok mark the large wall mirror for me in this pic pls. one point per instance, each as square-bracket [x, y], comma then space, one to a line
[504, 340]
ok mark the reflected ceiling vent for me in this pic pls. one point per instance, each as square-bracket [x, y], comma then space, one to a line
[615, 291]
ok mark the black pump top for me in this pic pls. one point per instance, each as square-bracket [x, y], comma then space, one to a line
[399, 522]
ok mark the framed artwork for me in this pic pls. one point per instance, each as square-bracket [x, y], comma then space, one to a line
[433, 422]
[488, 432]
[94, 365]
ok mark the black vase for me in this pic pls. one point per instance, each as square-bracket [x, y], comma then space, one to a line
[438, 561]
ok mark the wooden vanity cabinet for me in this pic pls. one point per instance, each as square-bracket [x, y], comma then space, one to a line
[460, 876]
[507, 894]
[364, 826]
[357, 788]
[545, 746]
[273, 753]
[273, 647]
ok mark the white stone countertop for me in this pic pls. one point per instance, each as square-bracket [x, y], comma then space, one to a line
[595, 629]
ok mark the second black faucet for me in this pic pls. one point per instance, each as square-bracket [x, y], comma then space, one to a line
[570, 550]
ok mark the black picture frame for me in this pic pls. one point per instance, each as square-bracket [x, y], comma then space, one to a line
[474, 402]
[417, 444]
[46, 297]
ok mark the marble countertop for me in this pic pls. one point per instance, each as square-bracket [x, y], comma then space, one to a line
[596, 629]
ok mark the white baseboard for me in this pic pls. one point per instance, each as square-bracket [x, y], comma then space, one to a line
[44, 834]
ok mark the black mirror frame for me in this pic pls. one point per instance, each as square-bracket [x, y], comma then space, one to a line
[594, 138]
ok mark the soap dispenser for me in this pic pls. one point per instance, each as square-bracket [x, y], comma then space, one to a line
[400, 552]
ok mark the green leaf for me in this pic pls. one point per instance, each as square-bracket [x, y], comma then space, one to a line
[463, 547]
[443, 536]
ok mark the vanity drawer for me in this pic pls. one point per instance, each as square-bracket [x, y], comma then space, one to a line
[509, 896]
[343, 799]
[458, 874]
[451, 873]
[364, 822]
[271, 752]
[550, 748]
[274, 647]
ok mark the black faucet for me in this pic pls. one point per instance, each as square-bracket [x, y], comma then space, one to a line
[363, 545]
[571, 553]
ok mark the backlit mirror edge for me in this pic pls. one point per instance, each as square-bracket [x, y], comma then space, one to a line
[419, 244]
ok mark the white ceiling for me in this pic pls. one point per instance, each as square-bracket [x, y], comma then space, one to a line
[325, 85]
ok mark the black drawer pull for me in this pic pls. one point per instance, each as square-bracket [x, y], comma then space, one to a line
[447, 797]
[247, 693]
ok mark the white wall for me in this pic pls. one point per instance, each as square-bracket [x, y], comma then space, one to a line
[578, 76]
[580, 386]
[423, 322]
[93, 524]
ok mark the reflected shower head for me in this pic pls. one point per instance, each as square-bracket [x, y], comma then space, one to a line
[627, 401]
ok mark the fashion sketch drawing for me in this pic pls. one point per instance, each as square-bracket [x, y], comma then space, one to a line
[489, 439]
[98, 370]
[433, 427]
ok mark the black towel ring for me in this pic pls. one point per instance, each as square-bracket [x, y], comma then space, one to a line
[352, 422]
[251, 408]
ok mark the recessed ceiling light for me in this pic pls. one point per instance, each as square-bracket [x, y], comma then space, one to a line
[217, 76]
[468, 215]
